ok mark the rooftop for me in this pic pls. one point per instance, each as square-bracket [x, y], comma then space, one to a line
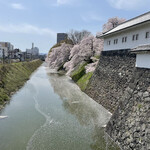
[141, 49]
[129, 23]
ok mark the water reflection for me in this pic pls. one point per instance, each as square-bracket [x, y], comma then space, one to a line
[87, 111]
[78, 103]
[101, 141]
[53, 115]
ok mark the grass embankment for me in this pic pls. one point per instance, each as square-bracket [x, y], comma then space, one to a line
[13, 76]
[84, 80]
[78, 72]
[80, 77]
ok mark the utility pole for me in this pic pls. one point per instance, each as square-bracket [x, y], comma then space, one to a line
[3, 56]
[8, 57]
[25, 56]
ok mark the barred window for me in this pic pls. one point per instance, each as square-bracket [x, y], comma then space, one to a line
[108, 42]
[133, 37]
[137, 36]
[147, 35]
[124, 39]
[115, 41]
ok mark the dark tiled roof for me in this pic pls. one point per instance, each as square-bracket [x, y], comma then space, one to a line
[130, 23]
[141, 49]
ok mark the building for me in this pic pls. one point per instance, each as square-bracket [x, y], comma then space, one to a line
[32, 53]
[142, 56]
[8, 45]
[15, 54]
[5, 49]
[129, 34]
[132, 35]
[3, 52]
[61, 37]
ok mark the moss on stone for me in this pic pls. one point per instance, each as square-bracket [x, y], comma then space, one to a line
[78, 72]
[97, 56]
[139, 106]
[84, 80]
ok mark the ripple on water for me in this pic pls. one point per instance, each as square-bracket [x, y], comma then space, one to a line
[41, 136]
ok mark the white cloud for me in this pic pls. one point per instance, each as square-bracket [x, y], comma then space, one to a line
[26, 29]
[128, 4]
[91, 17]
[17, 6]
[64, 2]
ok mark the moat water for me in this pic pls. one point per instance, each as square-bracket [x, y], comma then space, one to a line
[51, 113]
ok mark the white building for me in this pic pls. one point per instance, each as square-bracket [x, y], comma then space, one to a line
[3, 51]
[5, 48]
[134, 33]
[142, 56]
[9, 46]
[129, 34]
[33, 52]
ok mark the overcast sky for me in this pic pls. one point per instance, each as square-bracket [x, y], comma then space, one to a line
[25, 21]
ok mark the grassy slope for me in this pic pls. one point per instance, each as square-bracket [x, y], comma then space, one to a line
[84, 80]
[78, 72]
[80, 77]
[13, 76]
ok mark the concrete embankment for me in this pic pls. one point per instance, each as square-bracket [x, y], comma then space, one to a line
[125, 91]
[13, 76]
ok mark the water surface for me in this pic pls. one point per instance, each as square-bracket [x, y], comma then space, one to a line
[51, 113]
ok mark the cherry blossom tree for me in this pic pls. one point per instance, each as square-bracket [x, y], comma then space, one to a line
[77, 36]
[91, 67]
[112, 23]
[98, 45]
[59, 55]
[88, 47]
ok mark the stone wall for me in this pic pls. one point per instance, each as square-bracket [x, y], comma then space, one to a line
[111, 77]
[125, 91]
[130, 124]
